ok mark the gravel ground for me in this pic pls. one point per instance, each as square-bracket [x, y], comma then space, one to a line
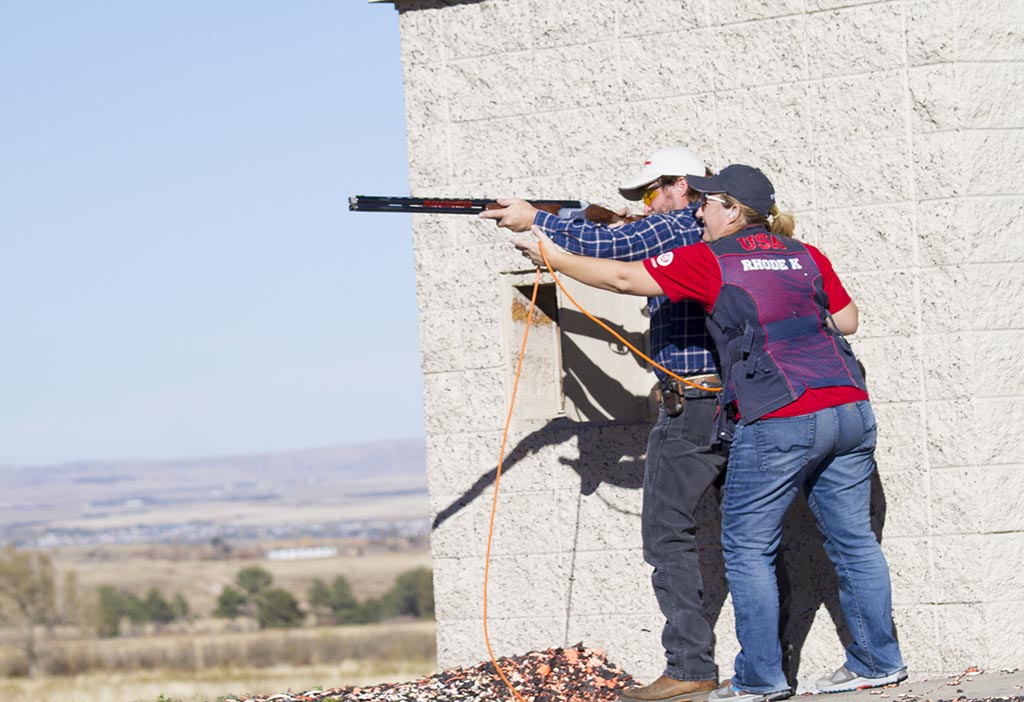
[573, 674]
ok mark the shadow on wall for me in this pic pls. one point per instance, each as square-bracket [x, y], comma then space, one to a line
[590, 388]
[595, 465]
[807, 579]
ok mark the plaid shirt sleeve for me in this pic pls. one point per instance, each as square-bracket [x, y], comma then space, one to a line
[636, 241]
[679, 340]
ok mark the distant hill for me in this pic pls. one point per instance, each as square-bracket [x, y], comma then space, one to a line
[133, 500]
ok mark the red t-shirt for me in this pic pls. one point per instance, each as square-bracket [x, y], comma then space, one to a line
[692, 273]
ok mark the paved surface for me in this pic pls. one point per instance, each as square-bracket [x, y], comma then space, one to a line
[966, 686]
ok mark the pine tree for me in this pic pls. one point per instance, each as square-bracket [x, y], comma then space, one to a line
[278, 608]
[229, 603]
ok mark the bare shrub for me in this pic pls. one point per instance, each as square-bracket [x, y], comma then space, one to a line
[330, 648]
[15, 665]
[262, 652]
[299, 651]
[223, 652]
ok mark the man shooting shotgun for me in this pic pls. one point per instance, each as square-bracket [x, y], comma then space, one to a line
[566, 209]
[682, 459]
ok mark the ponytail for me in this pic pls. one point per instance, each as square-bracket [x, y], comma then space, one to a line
[782, 223]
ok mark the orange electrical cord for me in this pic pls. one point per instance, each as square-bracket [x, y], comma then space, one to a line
[611, 331]
[497, 479]
[508, 422]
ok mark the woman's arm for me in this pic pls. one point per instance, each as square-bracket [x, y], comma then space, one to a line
[847, 318]
[627, 277]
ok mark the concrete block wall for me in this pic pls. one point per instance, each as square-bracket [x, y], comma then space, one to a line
[893, 129]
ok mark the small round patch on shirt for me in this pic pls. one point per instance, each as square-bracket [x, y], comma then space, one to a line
[664, 259]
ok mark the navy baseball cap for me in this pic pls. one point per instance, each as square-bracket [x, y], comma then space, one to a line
[744, 183]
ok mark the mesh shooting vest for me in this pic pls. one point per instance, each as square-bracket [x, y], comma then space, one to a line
[769, 324]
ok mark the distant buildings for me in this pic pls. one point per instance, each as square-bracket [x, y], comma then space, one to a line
[300, 554]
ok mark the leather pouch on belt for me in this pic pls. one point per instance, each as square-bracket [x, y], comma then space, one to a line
[673, 402]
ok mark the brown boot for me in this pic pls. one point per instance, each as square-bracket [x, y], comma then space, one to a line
[666, 689]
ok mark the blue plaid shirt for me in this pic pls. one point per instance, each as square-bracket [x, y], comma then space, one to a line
[679, 339]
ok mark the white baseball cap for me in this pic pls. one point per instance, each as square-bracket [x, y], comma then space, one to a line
[673, 161]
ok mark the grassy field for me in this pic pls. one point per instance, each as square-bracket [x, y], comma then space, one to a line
[210, 666]
[209, 658]
[370, 567]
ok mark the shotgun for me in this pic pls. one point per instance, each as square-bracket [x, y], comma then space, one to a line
[468, 206]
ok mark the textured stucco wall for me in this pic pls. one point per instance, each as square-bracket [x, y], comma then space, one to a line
[893, 130]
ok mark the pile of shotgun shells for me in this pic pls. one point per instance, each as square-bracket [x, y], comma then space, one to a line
[573, 674]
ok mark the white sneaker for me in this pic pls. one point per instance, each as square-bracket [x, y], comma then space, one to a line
[728, 693]
[844, 680]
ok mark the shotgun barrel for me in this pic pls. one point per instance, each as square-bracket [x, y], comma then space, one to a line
[447, 205]
[455, 205]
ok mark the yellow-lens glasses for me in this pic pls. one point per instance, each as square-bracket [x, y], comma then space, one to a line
[651, 193]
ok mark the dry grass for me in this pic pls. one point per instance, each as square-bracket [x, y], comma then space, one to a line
[207, 667]
[387, 642]
[148, 686]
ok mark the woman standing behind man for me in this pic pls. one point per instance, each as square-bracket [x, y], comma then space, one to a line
[777, 312]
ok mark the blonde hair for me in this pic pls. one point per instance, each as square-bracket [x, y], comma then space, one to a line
[777, 221]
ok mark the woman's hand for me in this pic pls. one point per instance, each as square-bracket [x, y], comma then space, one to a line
[531, 249]
[629, 277]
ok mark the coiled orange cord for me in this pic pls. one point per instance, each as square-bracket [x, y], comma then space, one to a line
[508, 422]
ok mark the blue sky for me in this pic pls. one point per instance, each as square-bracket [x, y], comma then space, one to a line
[179, 274]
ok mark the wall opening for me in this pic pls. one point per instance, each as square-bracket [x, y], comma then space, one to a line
[573, 368]
[540, 393]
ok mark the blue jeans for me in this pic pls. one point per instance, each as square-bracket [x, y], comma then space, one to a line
[680, 467]
[830, 453]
